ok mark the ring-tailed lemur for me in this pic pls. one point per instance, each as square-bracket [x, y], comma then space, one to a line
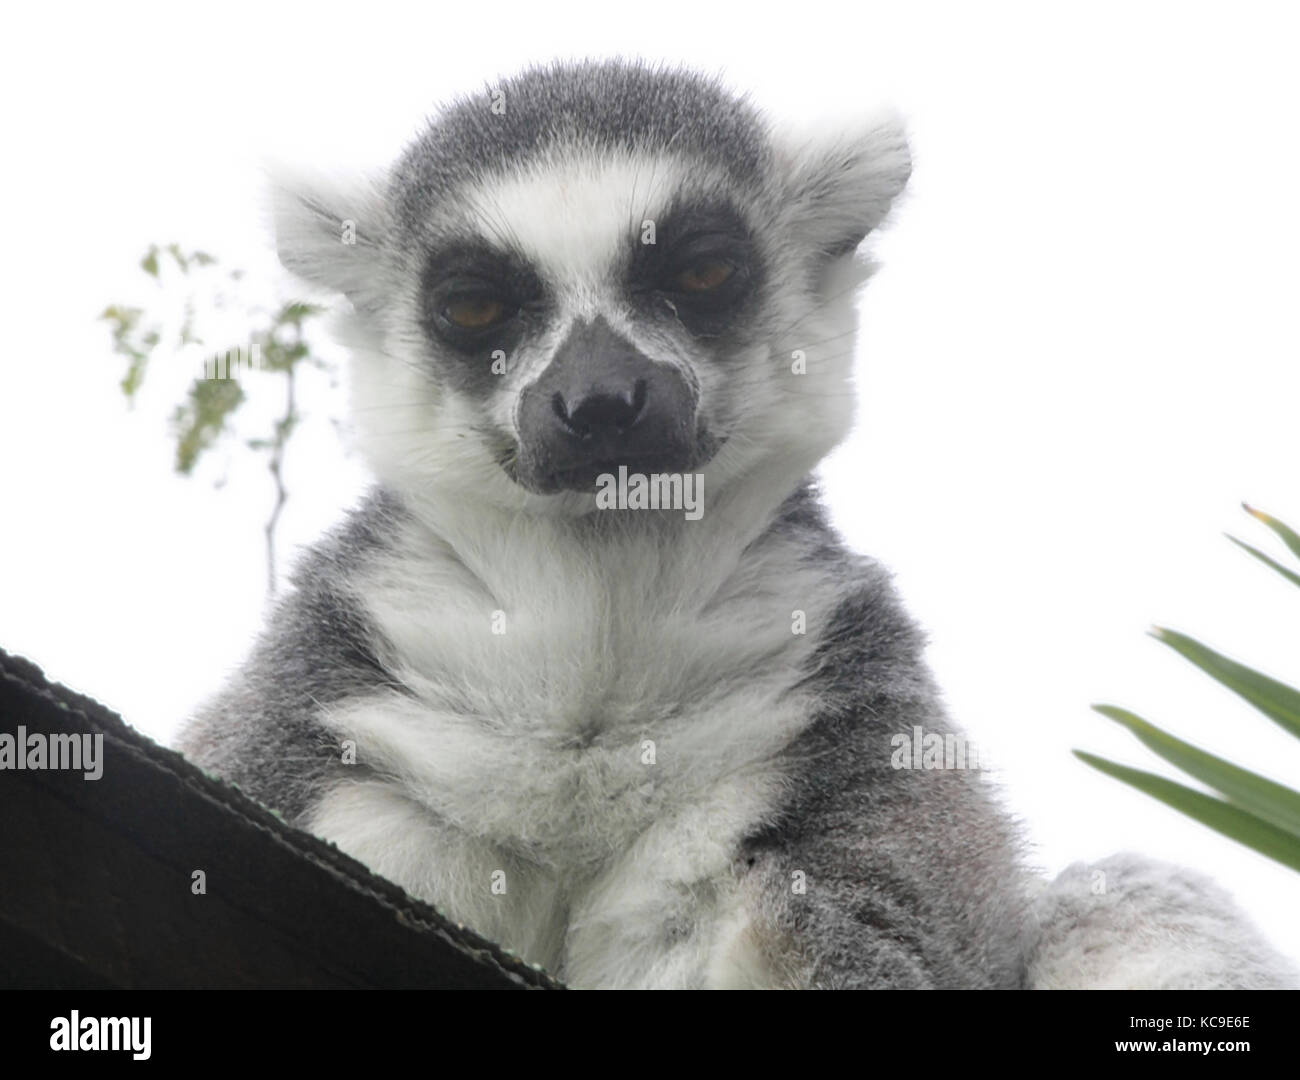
[644, 747]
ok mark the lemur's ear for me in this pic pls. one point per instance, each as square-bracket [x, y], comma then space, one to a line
[330, 232]
[839, 186]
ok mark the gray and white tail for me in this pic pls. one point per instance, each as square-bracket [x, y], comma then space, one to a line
[1129, 923]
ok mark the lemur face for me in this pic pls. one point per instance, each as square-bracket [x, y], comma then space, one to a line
[593, 266]
[591, 321]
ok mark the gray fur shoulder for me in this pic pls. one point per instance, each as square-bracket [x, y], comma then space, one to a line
[260, 732]
[908, 877]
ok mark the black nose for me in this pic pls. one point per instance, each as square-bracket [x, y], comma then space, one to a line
[604, 413]
[599, 404]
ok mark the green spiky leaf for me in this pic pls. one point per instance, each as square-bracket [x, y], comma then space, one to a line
[1276, 700]
[1218, 814]
[1290, 575]
[1288, 535]
[1274, 803]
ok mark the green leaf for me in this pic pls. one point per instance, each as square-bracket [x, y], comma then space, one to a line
[1223, 817]
[1274, 699]
[200, 421]
[149, 264]
[125, 317]
[1272, 802]
[293, 313]
[1290, 575]
[1289, 536]
[134, 377]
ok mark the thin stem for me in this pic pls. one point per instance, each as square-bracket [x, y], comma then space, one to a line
[282, 429]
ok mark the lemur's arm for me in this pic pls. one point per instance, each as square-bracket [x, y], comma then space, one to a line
[892, 878]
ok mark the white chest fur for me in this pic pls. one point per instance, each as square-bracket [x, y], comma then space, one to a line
[579, 736]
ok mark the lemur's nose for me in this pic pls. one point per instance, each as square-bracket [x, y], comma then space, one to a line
[603, 413]
[601, 404]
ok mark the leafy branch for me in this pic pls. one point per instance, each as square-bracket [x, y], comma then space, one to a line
[277, 347]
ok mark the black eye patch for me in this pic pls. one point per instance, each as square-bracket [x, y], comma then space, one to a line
[472, 296]
[702, 267]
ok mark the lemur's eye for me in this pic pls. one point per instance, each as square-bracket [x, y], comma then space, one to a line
[478, 311]
[705, 276]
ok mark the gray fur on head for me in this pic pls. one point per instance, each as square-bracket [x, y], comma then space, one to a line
[565, 171]
[830, 191]
[640, 749]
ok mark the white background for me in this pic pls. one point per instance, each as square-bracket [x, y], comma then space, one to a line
[1080, 355]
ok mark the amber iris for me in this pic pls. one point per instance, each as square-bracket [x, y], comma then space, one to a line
[705, 276]
[475, 312]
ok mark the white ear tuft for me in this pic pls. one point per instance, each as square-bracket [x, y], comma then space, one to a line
[840, 185]
[330, 232]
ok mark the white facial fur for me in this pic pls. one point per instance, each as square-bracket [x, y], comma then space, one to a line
[569, 214]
